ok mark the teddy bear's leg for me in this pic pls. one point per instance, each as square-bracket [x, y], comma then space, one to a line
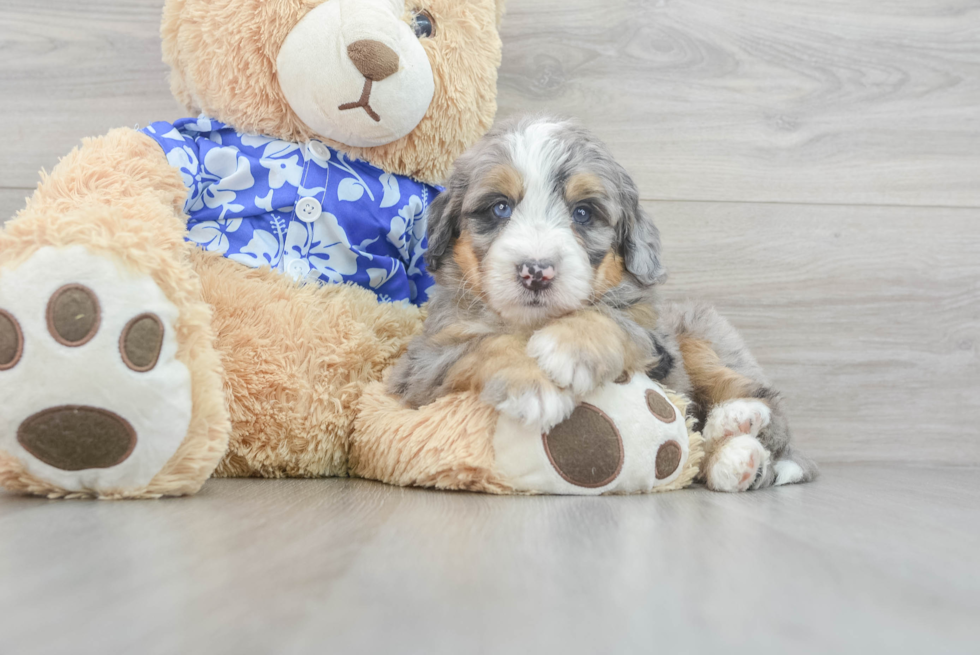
[109, 379]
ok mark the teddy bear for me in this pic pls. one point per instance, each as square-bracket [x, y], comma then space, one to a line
[222, 295]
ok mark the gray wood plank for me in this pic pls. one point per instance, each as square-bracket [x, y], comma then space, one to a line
[76, 69]
[763, 100]
[804, 101]
[866, 317]
[867, 559]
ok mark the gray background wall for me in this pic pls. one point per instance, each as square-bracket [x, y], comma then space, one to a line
[814, 166]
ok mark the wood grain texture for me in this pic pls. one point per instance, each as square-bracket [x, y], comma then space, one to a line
[865, 316]
[768, 100]
[868, 318]
[76, 69]
[869, 559]
[763, 100]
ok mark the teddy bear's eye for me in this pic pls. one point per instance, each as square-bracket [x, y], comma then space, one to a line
[423, 24]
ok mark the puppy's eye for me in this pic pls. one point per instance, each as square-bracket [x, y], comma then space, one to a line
[502, 210]
[582, 215]
[424, 26]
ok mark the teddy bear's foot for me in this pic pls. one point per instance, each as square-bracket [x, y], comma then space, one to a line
[736, 460]
[93, 399]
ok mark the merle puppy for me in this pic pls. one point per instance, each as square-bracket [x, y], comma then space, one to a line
[546, 272]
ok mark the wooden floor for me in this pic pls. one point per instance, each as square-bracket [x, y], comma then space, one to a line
[869, 559]
[814, 166]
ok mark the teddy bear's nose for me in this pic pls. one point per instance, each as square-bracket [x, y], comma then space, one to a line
[374, 59]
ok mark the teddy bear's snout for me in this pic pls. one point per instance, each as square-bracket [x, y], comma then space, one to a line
[373, 59]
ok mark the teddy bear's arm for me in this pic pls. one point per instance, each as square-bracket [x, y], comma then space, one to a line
[121, 166]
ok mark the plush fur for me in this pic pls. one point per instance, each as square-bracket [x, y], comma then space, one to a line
[296, 358]
[446, 445]
[277, 368]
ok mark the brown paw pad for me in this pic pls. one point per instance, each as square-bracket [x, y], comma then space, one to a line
[586, 449]
[74, 315]
[660, 407]
[11, 341]
[74, 438]
[668, 459]
[141, 342]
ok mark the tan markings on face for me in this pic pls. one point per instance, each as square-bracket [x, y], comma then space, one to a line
[713, 381]
[469, 264]
[608, 275]
[505, 180]
[583, 186]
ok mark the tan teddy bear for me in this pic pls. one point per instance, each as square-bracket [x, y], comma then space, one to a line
[215, 295]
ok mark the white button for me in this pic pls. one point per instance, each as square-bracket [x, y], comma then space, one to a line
[319, 150]
[298, 269]
[308, 209]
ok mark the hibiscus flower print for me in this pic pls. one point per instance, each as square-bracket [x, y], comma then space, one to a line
[224, 174]
[213, 235]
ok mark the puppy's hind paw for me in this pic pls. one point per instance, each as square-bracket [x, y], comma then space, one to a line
[737, 464]
[735, 417]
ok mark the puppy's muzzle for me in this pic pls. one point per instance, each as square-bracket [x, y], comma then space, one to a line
[536, 275]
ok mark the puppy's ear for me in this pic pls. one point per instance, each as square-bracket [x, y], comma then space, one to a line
[639, 237]
[443, 218]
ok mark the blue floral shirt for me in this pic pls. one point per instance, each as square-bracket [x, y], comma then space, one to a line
[305, 210]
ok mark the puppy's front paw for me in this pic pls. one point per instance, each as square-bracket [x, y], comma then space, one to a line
[737, 464]
[536, 403]
[571, 366]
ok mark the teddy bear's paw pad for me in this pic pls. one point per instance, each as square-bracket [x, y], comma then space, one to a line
[93, 396]
[73, 438]
[737, 417]
[11, 341]
[586, 449]
[737, 464]
[620, 439]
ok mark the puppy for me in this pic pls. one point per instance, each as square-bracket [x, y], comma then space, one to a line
[546, 273]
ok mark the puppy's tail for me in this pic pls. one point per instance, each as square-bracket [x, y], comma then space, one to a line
[793, 467]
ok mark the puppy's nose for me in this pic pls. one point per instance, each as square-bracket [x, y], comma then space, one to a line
[536, 275]
[374, 59]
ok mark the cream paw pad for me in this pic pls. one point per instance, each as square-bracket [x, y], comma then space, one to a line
[94, 398]
[629, 436]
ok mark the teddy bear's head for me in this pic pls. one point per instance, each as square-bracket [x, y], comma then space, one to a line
[406, 85]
